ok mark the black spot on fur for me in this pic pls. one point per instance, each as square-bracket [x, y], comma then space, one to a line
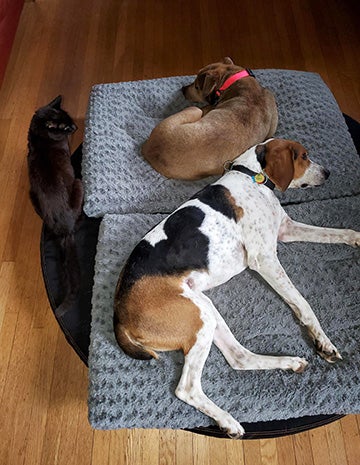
[186, 248]
[217, 197]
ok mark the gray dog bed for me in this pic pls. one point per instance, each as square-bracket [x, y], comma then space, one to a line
[121, 116]
[125, 393]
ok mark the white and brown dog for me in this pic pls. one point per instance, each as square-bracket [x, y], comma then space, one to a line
[195, 143]
[232, 224]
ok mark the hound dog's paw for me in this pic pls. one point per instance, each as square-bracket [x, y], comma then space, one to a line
[327, 351]
[353, 238]
[298, 364]
[231, 427]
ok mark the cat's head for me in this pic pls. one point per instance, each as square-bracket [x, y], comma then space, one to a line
[52, 122]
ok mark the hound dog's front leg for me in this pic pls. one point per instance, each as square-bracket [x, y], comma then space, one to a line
[291, 231]
[269, 267]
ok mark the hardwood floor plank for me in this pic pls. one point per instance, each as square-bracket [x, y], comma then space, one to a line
[235, 453]
[351, 435]
[85, 435]
[319, 446]
[135, 446]
[6, 280]
[217, 451]
[20, 407]
[285, 451]
[252, 452]
[302, 447]
[7, 336]
[10, 176]
[184, 452]
[201, 449]
[74, 407]
[268, 451]
[101, 448]
[119, 447]
[50, 451]
[336, 444]
[41, 396]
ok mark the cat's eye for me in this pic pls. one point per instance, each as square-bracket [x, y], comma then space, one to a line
[62, 126]
[50, 124]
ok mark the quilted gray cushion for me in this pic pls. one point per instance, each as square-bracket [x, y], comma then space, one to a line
[121, 116]
[126, 393]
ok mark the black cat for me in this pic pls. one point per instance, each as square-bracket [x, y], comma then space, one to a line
[56, 194]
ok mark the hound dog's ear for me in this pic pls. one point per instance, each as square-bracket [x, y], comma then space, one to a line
[279, 162]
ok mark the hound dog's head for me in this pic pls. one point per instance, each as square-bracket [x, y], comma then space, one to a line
[209, 79]
[288, 165]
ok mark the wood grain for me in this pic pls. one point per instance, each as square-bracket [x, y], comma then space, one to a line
[65, 47]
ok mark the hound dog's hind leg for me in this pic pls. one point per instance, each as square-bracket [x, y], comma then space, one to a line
[269, 267]
[189, 388]
[240, 358]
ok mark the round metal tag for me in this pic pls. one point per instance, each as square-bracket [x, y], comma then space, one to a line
[259, 178]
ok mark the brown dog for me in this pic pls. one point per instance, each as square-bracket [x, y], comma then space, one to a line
[195, 143]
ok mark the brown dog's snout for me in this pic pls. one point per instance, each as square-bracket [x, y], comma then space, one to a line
[185, 90]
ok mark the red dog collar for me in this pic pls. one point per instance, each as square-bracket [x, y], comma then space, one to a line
[235, 77]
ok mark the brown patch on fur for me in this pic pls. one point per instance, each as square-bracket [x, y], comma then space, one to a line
[301, 162]
[285, 161]
[238, 211]
[154, 316]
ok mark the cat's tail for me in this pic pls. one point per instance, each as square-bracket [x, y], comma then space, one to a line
[71, 274]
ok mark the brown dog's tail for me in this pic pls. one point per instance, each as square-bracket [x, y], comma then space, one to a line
[129, 345]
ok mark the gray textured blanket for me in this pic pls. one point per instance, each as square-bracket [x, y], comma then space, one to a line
[132, 393]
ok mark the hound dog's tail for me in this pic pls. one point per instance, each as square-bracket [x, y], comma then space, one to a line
[129, 345]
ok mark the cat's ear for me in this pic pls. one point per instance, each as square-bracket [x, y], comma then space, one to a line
[56, 103]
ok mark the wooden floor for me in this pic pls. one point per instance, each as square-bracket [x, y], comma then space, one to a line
[66, 46]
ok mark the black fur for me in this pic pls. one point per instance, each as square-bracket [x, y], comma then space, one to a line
[260, 151]
[55, 193]
[215, 197]
[186, 248]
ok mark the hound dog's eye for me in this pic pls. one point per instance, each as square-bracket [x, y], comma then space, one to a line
[304, 156]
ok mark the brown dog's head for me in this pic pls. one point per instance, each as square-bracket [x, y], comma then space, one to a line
[287, 164]
[209, 79]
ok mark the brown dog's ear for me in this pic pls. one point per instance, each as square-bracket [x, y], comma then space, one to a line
[207, 83]
[279, 160]
[228, 61]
